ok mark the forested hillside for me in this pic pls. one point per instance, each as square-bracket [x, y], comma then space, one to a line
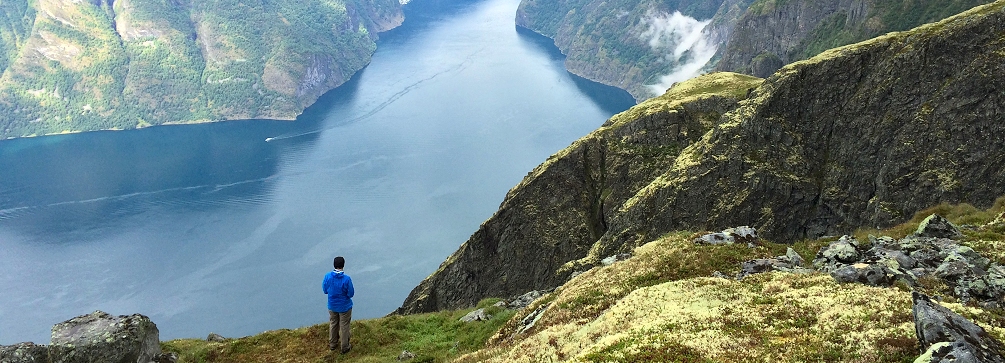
[102, 64]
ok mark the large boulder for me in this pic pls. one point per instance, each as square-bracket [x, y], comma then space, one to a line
[948, 337]
[99, 337]
[938, 227]
[23, 353]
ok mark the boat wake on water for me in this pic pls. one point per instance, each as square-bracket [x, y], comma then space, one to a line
[390, 100]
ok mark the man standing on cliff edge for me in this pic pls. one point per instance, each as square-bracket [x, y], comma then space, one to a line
[338, 286]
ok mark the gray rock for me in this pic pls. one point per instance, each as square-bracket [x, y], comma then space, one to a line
[525, 299]
[756, 266]
[938, 227]
[903, 260]
[715, 239]
[794, 257]
[996, 278]
[615, 258]
[169, 357]
[405, 355]
[742, 233]
[720, 275]
[972, 257]
[528, 322]
[500, 304]
[839, 251]
[100, 337]
[24, 353]
[927, 257]
[869, 274]
[935, 325]
[477, 315]
[214, 337]
[947, 352]
[953, 268]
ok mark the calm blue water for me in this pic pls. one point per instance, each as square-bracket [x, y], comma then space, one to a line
[209, 228]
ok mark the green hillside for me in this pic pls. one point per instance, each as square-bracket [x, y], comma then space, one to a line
[97, 65]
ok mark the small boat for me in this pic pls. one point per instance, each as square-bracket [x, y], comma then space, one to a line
[269, 139]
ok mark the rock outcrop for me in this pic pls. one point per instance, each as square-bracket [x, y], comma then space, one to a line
[101, 337]
[626, 44]
[95, 337]
[947, 337]
[884, 260]
[613, 42]
[557, 213]
[771, 34]
[24, 353]
[863, 135]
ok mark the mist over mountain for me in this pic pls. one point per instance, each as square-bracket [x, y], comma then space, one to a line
[611, 41]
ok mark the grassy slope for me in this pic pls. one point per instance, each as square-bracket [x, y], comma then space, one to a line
[431, 337]
[661, 305]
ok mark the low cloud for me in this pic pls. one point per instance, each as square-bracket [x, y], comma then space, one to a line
[685, 42]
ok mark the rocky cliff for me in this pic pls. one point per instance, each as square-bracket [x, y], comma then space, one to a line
[773, 33]
[557, 213]
[645, 46]
[626, 44]
[102, 64]
[863, 135]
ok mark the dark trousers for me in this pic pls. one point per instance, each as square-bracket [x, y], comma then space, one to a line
[338, 330]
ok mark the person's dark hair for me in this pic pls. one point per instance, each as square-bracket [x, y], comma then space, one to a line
[339, 262]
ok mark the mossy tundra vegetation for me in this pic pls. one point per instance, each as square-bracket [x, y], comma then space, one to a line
[663, 304]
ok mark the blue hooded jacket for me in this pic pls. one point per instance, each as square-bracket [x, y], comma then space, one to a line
[338, 286]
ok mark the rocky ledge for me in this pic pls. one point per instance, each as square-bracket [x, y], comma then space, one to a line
[933, 252]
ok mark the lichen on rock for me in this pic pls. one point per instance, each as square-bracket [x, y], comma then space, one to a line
[101, 337]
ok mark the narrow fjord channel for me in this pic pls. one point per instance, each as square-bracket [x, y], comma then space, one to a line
[211, 228]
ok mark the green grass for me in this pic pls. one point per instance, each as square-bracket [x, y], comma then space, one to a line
[433, 337]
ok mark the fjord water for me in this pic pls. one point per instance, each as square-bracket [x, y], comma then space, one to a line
[210, 228]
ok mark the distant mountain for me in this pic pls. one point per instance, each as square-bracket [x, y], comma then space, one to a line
[644, 46]
[102, 64]
[859, 136]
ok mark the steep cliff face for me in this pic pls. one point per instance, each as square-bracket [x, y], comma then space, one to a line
[90, 65]
[772, 33]
[626, 44]
[562, 208]
[863, 135]
[642, 47]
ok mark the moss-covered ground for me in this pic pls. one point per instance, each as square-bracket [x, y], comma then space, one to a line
[434, 337]
[664, 304]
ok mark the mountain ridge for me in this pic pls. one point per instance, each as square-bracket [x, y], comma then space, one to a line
[852, 137]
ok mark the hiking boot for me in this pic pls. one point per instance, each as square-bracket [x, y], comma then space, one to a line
[346, 350]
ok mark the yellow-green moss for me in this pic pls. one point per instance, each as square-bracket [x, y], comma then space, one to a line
[726, 84]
